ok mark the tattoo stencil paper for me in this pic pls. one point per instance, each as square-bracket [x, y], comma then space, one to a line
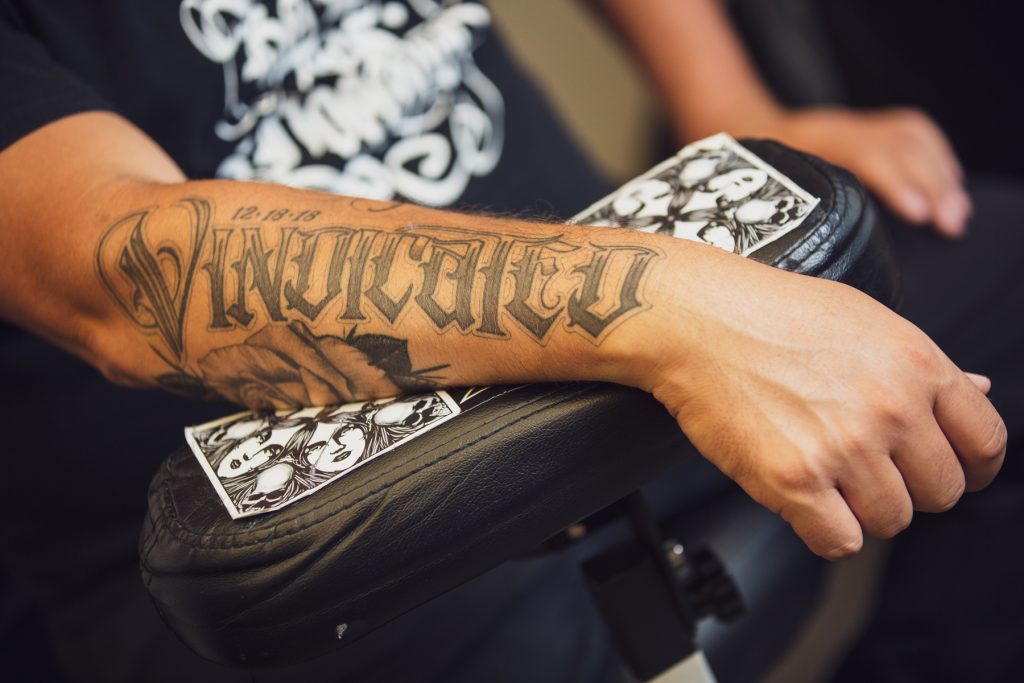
[260, 462]
[713, 191]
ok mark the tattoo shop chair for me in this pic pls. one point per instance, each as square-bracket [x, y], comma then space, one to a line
[502, 479]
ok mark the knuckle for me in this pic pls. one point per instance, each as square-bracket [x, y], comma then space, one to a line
[853, 432]
[945, 489]
[951, 497]
[892, 408]
[797, 476]
[893, 526]
[847, 548]
[995, 447]
[858, 442]
[922, 355]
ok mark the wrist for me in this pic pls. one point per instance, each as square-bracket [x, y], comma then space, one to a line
[665, 332]
[743, 114]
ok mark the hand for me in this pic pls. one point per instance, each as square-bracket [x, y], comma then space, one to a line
[899, 154]
[822, 404]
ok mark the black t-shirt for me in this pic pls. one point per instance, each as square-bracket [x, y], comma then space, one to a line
[414, 100]
[379, 99]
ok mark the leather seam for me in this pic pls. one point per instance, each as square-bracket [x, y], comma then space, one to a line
[828, 174]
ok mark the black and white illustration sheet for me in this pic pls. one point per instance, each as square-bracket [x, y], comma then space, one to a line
[261, 462]
[714, 191]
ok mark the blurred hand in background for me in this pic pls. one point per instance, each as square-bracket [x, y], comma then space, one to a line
[709, 85]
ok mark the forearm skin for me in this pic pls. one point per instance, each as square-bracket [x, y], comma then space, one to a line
[698, 64]
[274, 297]
[278, 297]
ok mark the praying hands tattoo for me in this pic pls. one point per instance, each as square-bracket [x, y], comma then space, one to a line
[312, 311]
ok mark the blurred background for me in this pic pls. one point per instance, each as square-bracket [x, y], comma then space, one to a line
[576, 58]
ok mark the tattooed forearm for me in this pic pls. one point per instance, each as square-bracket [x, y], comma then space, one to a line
[272, 276]
[289, 365]
[479, 282]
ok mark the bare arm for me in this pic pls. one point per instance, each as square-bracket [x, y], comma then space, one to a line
[825, 406]
[199, 286]
[709, 85]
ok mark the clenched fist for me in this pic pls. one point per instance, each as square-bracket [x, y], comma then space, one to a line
[822, 404]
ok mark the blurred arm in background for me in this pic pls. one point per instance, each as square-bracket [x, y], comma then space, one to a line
[709, 84]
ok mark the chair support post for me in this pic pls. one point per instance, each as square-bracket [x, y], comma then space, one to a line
[651, 597]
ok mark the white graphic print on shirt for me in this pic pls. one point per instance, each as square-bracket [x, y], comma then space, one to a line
[366, 98]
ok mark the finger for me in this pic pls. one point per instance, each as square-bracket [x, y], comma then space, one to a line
[826, 524]
[973, 428]
[930, 131]
[885, 178]
[981, 381]
[954, 207]
[947, 203]
[929, 142]
[876, 493]
[939, 177]
[955, 211]
[931, 471]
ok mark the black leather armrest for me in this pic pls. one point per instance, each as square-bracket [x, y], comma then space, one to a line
[479, 489]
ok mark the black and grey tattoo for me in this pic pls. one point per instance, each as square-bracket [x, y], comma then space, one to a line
[289, 365]
[280, 273]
